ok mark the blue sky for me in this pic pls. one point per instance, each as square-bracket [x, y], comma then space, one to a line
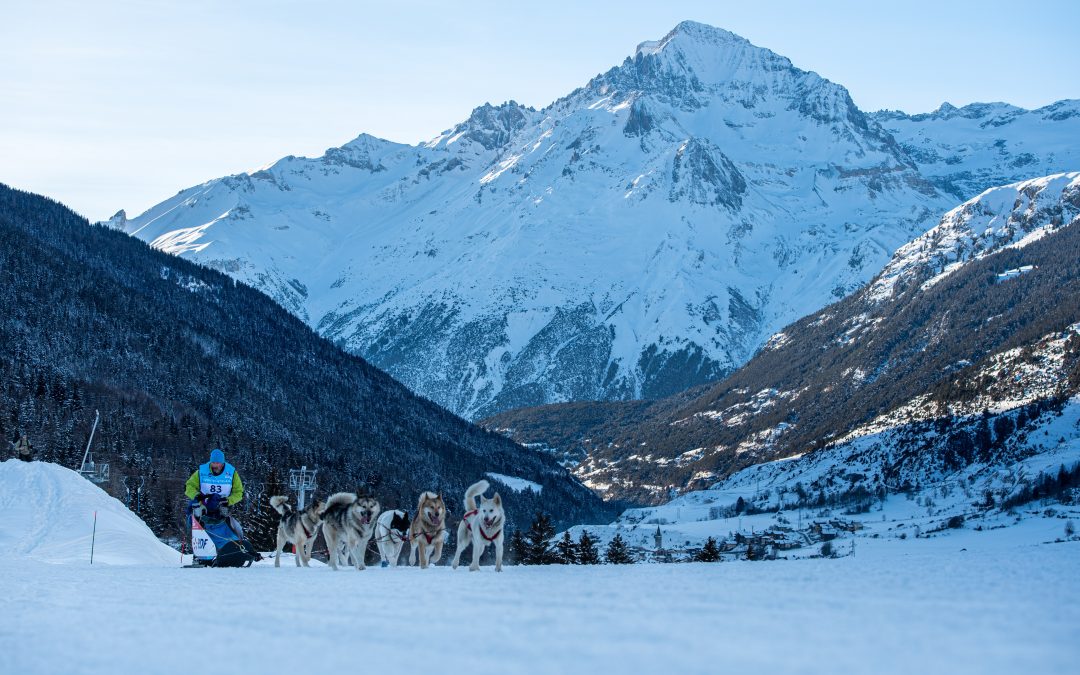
[119, 104]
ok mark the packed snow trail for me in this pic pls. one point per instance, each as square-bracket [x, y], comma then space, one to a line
[903, 607]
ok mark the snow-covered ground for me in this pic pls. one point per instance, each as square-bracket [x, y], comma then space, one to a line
[979, 602]
[970, 604]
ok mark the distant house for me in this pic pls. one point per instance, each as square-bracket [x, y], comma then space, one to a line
[1013, 273]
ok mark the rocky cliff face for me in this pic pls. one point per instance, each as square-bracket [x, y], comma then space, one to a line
[644, 234]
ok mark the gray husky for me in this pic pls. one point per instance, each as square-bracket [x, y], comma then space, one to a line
[348, 522]
[296, 527]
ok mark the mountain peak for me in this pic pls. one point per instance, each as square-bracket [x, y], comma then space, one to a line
[688, 32]
[490, 125]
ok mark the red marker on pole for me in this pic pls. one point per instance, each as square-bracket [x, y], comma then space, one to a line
[93, 537]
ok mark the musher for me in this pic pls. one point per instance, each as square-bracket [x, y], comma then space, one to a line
[217, 482]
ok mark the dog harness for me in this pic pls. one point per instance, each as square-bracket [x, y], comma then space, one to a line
[483, 534]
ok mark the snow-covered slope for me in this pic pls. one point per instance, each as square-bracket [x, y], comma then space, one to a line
[48, 516]
[963, 151]
[960, 317]
[643, 234]
[899, 481]
[1011, 216]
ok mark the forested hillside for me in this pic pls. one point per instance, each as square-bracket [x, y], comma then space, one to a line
[179, 359]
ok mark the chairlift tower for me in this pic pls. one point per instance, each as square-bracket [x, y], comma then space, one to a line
[95, 473]
[303, 481]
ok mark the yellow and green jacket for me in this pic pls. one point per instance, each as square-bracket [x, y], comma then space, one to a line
[205, 481]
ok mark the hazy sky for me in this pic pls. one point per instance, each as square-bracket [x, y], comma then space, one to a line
[119, 104]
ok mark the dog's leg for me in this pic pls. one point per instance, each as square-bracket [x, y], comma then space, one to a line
[412, 552]
[498, 552]
[461, 543]
[423, 555]
[280, 547]
[395, 550]
[478, 546]
[360, 552]
[332, 545]
[298, 548]
[438, 549]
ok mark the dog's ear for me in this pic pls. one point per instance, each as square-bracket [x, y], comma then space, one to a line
[497, 499]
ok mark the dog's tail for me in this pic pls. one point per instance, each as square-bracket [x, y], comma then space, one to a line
[280, 504]
[475, 490]
[339, 500]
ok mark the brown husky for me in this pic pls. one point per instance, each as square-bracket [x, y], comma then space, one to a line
[427, 529]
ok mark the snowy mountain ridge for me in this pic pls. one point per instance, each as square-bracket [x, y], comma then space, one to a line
[980, 313]
[1009, 216]
[964, 151]
[644, 234]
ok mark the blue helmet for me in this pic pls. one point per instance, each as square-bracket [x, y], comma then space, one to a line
[217, 456]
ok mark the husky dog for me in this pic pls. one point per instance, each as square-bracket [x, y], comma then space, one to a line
[391, 531]
[296, 527]
[349, 521]
[427, 529]
[481, 526]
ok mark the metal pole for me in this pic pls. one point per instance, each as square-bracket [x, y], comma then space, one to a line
[97, 415]
[303, 492]
[93, 538]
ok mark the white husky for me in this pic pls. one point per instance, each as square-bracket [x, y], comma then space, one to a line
[391, 531]
[481, 526]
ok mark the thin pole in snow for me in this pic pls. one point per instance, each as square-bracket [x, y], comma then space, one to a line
[93, 538]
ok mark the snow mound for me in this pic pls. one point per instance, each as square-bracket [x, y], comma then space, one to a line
[49, 517]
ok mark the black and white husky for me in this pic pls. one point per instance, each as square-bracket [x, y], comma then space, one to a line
[391, 531]
[481, 525]
[296, 527]
[348, 522]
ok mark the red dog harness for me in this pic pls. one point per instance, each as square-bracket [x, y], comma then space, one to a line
[483, 534]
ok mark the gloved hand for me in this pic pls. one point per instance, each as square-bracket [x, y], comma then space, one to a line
[200, 497]
[212, 502]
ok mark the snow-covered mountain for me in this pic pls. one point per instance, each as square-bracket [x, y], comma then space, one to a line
[641, 235]
[965, 150]
[979, 313]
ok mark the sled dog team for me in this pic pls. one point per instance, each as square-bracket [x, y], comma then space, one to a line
[349, 521]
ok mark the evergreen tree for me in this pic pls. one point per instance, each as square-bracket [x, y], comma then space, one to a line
[260, 523]
[518, 549]
[586, 550]
[565, 551]
[708, 553]
[617, 553]
[538, 550]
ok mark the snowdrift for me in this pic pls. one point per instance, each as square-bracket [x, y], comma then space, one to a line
[48, 516]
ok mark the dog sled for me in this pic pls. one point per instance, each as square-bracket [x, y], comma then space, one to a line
[214, 542]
